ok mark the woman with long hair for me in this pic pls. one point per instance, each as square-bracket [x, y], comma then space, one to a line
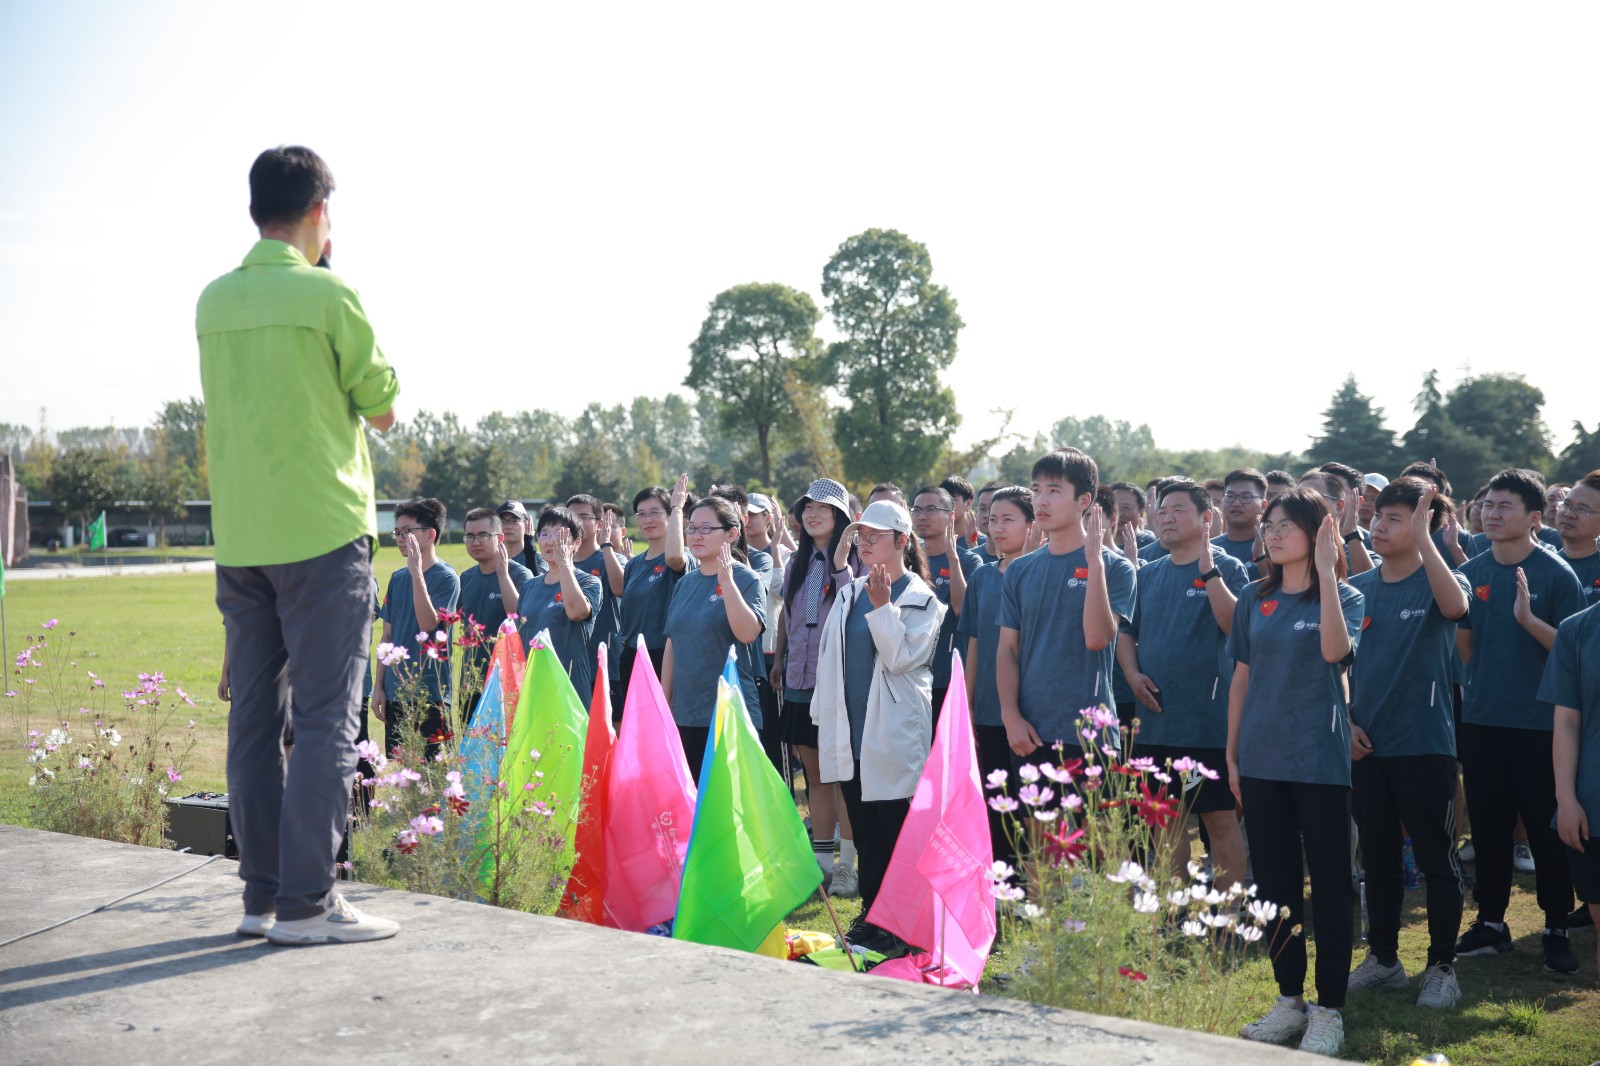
[1294, 633]
[809, 591]
[718, 603]
[873, 705]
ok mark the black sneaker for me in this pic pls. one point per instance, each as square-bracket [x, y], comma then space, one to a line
[1580, 918]
[1558, 957]
[1483, 939]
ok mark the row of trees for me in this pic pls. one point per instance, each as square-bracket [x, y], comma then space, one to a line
[1481, 425]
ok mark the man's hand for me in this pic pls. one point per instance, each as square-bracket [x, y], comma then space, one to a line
[1360, 745]
[1522, 609]
[413, 553]
[502, 561]
[1145, 691]
[380, 705]
[1094, 531]
[224, 690]
[1423, 514]
[1572, 825]
[1020, 735]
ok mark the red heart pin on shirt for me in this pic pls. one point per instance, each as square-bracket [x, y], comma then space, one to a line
[1268, 607]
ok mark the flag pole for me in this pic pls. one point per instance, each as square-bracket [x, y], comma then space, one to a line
[848, 954]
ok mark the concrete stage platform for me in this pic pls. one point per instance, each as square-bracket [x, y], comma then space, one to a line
[162, 979]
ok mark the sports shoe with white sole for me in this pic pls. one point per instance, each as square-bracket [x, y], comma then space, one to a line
[254, 925]
[1281, 1024]
[339, 924]
[1481, 938]
[1374, 974]
[845, 882]
[1440, 989]
[1324, 1031]
[1522, 859]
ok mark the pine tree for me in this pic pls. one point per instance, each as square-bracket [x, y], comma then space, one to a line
[1353, 433]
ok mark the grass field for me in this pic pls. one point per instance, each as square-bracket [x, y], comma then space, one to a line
[1512, 1013]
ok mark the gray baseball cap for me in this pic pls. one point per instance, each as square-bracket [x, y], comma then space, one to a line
[828, 491]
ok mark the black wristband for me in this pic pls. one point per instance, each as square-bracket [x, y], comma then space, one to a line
[1209, 574]
[1263, 557]
[1352, 535]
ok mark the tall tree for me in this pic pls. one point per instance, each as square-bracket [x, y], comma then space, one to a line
[167, 483]
[1118, 447]
[590, 466]
[84, 481]
[183, 422]
[750, 338]
[464, 475]
[898, 331]
[1353, 433]
[1579, 457]
[1483, 425]
[534, 443]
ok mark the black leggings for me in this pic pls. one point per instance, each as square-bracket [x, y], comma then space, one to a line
[995, 754]
[1508, 772]
[1418, 791]
[876, 824]
[1278, 817]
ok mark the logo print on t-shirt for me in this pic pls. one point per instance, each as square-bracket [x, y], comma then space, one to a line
[595, 573]
[1482, 592]
[1267, 607]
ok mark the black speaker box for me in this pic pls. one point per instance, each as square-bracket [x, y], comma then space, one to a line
[200, 823]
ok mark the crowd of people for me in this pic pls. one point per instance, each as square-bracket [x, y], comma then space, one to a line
[1359, 659]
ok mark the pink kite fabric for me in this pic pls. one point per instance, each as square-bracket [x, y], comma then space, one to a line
[935, 894]
[922, 968]
[649, 806]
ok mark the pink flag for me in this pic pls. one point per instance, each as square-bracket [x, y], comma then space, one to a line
[935, 894]
[650, 801]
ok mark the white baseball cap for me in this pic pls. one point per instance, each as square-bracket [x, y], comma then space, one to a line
[885, 515]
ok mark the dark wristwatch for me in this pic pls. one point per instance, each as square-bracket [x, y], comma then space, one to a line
[1263, 557]
[1352, 535]
[1209, 574]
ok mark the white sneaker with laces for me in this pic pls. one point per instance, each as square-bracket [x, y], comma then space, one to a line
[254, 925]
[1374, 974]
[1324, 1031]
[1440, 989]
[339, 924]
[1522, 859]
[1285, 1021]
[845, 881]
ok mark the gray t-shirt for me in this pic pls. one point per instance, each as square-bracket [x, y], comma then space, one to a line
[1042, 599]
[608, 616]
[939, 568]
[697, 625]
[399, 610]
[647, 584]
[1502, 677]
[543, 607]
[980, 618]
[1587, 568]
[1572, 679]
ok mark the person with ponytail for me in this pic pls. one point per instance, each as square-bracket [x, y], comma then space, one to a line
[873, 704]
[1294, 632]
[718, 603]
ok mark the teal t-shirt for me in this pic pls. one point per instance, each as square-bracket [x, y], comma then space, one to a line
[1572, 679]
[1502, 677]
[939, 568]
[543, 607]
[980, 619]
[1587, 569]
[399, 610]
[647, 584]
[697, 625]
[481, 602]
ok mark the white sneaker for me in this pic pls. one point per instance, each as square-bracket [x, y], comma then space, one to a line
[1374, 974]
[1324, 1031]
[1522, 858]
[1440, 989]
[845, 882]
[254, 925]
[1282, 1023]
[339, 924]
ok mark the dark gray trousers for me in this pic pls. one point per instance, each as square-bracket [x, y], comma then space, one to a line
[304, 628]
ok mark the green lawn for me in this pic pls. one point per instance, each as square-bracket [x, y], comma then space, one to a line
[128, 625]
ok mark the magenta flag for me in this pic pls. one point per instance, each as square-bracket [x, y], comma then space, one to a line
[650, 800]
[935, 894]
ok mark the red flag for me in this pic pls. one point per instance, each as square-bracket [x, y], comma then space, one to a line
[649, 808]
[513, 664]
[935, 893]
[586, 888]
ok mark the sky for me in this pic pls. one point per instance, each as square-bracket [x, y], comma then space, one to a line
[1201, 217]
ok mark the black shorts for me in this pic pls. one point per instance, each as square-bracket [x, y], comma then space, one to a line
[1586, 870]
[1201, 794]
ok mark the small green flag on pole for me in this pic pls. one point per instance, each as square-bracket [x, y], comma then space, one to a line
[96, 533]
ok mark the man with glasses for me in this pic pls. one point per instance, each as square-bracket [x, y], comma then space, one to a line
[417, 592]
[486, 590]
[950, 564]
[594, 556]
[1244, 501]
[290, 367]
[517, 528]
[1578, 522]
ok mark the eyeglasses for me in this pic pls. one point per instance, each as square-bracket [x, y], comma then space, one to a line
[1239, 497]
[871, 538]
[584, 517]
[1279, 529]
[649, 514]
[400, 531]
[923, 511]
[703, 531]
[1579, 509]
[552, 534]
[477, 538]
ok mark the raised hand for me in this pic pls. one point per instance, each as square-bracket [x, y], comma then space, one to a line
[1094, 531]
[502, 560]
[725, 564]
[878, 585]
[566, 551]
[680, 491]
[1522, 609]
[1328, 548]
[1421, 517]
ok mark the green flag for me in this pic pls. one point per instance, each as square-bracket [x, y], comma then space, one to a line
[95, 535]
[750, 861]
[545, 748]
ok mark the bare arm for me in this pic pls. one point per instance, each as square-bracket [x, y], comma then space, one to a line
[382, 423]
[666, 671]
[1572, 823]
[1236, 695]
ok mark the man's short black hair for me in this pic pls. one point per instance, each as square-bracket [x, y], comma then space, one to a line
[883, 486]
[1281, 478]
[991, 486]
[1106, 500]
[1407, 492]
[734, 494]
[1184, 487]
[1528, 485]
[285, 183]
[1069, 465]
[1428, 472]
[482, 514]
[956, 485]
[430, 514]
[1246, 473]
[591, 502]
[1351, 476]
[654, 492]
